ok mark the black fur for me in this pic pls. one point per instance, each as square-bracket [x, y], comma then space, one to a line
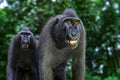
[22, 62]
[54, 48]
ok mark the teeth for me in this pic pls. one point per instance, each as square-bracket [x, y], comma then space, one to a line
[25, 45]
[72, 41]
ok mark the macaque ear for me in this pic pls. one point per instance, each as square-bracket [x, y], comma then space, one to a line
[57, 20]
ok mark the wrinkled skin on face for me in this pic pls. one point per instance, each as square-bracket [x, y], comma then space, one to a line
[25, 39]
[72, 27]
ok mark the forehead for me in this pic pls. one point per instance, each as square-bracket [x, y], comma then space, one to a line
[25, 32]
[71, 18]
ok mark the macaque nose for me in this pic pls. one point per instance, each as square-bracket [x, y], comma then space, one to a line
[73, 34]
[25, 41]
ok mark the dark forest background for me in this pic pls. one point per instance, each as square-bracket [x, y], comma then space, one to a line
[100, 17]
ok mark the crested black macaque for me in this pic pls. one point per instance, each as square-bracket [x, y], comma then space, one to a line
[62, 38]
[22, 57]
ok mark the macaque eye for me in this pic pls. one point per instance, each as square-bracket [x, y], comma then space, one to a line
[76, 22]
[69, 21]
[25, 33]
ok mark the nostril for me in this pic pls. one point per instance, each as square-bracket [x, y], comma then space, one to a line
[73, 34]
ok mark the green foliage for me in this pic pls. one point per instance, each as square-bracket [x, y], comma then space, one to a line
[90, 76]
[96, 77]
[100, 17]
[111, 78]
[118, 70]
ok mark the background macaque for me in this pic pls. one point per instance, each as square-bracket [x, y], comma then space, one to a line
[22, 57]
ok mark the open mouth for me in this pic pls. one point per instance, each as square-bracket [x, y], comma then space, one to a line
[25, 45]
[72, 41]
